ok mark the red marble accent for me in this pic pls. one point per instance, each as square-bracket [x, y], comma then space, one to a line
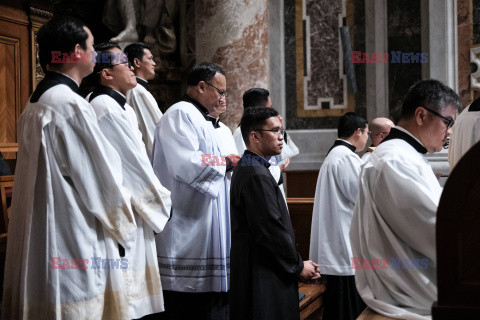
[324, 41]
[246, 64]
[465, 42]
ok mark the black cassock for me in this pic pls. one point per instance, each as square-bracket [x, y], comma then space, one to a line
[263, 261]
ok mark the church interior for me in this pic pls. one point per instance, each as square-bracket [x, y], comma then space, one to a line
[320, 59]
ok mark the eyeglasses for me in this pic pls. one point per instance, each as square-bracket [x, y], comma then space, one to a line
[449, 122]
[277, 131]
[222, 93]
[121, 63]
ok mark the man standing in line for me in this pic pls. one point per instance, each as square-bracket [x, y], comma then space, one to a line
[335, 196]
[465, 133]
[265, 264]
[69, 206]
[379, 129]
[150, 200]
[259, 97]
[191, 161]
[139, 98]
[395, 214]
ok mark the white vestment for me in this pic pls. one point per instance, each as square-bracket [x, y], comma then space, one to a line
[335, 195]
[289, 150]
[394, 220]
[194, 248]
[465, 133]
[150, 202]
[365, 156]
[147, 111]
[69, 213]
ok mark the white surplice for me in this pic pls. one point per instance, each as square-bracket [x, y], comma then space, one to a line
[194, 248]
[147, 111]
[465, 133]
[274, 161]
[394, 219]
[150, 202]
[335, 195]
[68, 209]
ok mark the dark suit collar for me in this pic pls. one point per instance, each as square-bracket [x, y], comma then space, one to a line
[339, 142]
[250, 158]
[203, 111]
[144, 83]
[53, 79]
[399, 134]
[100, 90]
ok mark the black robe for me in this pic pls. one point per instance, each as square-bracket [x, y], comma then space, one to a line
[263, 261]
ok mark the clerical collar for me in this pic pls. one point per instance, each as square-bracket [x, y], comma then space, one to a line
[400, 133]
[340, 142]
[475, 106]
[203, 111]
[143, 82]
[51, 80]
[114, 94]
[251, 159]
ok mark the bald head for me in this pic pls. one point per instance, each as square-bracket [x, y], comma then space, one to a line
[380, 128]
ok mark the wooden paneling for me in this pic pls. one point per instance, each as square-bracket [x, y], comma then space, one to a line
[15, 69]
[301, 183]
[300, 210]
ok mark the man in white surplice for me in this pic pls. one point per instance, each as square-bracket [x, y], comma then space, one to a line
[70, 213]
[150, 200]
[260, 97]
[139, 98]
[393, 227]
[194, 248]
[335, 195]
[465, 133]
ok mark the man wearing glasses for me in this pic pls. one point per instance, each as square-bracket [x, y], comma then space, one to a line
[194, 248]
[335, 196]
[265, 264]
[379, 129]
[150, 201]
[395, 215]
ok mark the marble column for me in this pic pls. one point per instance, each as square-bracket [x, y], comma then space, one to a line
[439, 39]
[376, 40]
[234, 34]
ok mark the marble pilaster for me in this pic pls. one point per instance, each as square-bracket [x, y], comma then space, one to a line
[234, 34]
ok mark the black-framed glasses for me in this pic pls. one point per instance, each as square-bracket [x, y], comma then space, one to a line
[116, 64]
[222, 93]
[277, 131]
[449, 122]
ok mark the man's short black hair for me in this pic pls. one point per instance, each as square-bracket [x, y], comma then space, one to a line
[432, 94]
[254, 119]
[60, 34]
[349, 123]
[255, 97]
[136, 50]
[105, 59]
[204, 71]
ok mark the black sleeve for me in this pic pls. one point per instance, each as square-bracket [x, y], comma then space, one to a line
[266, 221]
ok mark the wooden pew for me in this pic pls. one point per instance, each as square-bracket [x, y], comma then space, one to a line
[369, 314]
[458, 238]
[313, 300]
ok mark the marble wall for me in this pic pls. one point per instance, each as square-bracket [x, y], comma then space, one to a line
[465, 41]
[404, 34]
[324, 59]
[234, 34]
